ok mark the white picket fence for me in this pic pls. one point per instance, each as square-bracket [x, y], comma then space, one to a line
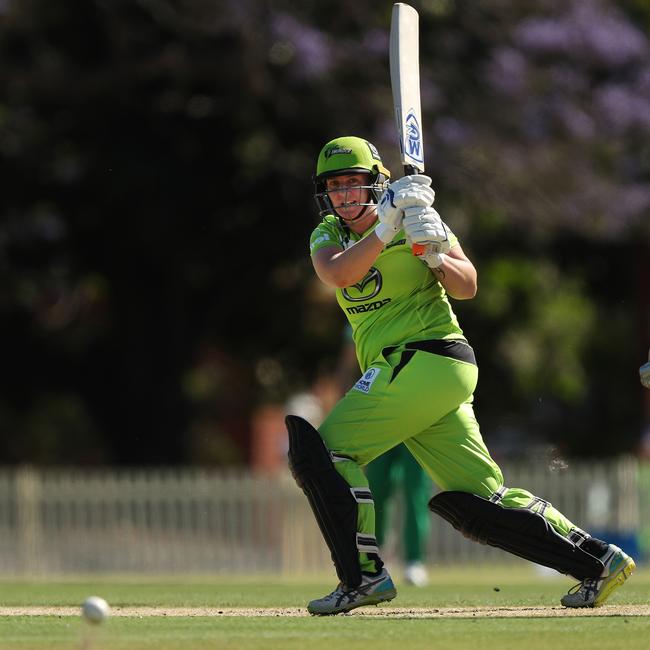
[197, 521]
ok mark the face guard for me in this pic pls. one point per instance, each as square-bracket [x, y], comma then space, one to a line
[347, 197]
[349, 155]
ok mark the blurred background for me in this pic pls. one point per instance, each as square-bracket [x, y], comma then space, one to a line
[158, 308]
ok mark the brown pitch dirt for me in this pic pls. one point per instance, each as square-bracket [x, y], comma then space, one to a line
[368, 612]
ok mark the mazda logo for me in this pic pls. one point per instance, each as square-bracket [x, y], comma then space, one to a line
[366, 288]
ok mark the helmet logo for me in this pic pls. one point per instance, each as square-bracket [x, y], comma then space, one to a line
[373, 150]
[332, 151]
[413, 138]
[366, 288]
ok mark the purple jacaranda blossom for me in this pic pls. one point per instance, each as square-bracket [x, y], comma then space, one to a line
[602, 208]
[451, 131]
[375, 41]
[543, 35]
[633, 201]
[643, 81]
[621, 108]
[576, 121]
[534, 119]
[568, 79]
[430, 95]
[607, 35]
[313, 52]
[506, 71]
[588, 31]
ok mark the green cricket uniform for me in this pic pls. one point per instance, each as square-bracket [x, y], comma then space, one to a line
[418, 379]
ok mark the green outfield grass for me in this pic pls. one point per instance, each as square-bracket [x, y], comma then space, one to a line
[501, 588]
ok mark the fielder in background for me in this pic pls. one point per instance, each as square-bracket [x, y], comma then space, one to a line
[419, 375]
[395, 472]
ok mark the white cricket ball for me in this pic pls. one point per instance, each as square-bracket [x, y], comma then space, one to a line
[95, 609]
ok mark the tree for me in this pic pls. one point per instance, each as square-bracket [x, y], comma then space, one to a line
[156, 158]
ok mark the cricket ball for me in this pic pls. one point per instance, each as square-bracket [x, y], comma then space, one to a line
[95, 609]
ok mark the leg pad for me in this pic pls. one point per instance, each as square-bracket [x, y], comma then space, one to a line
[519, 531]
[329, 496]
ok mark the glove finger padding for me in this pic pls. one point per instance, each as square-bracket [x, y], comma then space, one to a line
[411, 180]
[413, 190]
[416, 216]
[424, 226]
[414, 196]
[409, 191]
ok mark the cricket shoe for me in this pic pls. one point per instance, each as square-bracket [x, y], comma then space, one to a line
[593, 592]
[372, 591]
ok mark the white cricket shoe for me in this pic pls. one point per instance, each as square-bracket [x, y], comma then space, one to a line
[372, 591]
[593, 592]
[416, 574]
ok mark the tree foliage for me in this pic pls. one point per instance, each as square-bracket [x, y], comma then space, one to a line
[156, 158]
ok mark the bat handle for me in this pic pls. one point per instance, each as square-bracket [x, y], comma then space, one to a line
[409, 170]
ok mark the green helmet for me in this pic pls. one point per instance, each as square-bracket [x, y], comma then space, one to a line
[348, 155]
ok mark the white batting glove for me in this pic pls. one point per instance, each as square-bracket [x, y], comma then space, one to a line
[408, 191]
[432, 260]
[412, 191]
[424, 226]
[644, 373]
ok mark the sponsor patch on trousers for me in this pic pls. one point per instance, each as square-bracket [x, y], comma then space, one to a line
[365, 383]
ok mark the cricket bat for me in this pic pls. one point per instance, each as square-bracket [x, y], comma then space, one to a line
[405, 83]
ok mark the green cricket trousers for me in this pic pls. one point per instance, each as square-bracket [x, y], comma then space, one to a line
[423, 398]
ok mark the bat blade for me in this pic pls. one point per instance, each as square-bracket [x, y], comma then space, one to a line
[405, 83]
[404, 55]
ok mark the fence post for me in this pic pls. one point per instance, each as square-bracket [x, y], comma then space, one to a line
[30, 537]
[627, 470]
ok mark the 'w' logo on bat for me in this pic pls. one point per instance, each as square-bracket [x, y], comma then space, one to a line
[413, 138]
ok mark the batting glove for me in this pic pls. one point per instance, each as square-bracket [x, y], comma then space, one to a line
[409, 191]
[424, 226]
[413, 191]
[644, 373]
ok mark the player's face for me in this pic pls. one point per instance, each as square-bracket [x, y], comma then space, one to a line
[348, 193]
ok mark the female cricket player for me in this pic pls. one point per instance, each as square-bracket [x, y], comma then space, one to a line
[419, 375]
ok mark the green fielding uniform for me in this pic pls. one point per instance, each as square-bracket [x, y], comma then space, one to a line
[421, 399]
[397, 468]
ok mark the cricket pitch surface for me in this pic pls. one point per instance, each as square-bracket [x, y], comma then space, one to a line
[365, 612]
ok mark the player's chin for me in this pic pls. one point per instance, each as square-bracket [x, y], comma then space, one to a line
[350, 214]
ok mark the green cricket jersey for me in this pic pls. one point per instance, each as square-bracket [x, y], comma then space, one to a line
[398, 301]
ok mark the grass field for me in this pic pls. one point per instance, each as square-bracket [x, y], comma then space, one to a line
[462, 609]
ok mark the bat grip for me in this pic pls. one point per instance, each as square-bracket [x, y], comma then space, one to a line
[409, 170]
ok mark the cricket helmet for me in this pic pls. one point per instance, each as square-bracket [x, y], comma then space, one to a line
[349, 155]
